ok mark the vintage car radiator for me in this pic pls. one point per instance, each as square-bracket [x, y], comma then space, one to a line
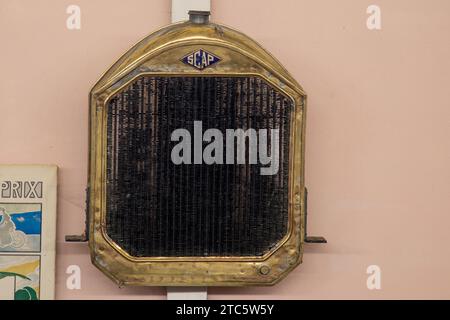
[196, 162]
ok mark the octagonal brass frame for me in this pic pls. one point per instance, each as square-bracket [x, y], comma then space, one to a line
[159, 55]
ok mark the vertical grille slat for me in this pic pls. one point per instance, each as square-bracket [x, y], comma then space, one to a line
[157, 208]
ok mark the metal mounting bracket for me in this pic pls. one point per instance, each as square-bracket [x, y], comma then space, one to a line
[310, 239]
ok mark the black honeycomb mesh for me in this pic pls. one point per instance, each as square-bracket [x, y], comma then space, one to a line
[157, 208]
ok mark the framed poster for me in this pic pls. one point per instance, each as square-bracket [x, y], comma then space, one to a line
[27, 231]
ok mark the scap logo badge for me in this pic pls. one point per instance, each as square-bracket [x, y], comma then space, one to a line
[200, 59]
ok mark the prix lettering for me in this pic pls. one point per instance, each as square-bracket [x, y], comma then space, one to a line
[21, 189]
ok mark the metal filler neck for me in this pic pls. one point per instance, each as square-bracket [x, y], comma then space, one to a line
[199, 17]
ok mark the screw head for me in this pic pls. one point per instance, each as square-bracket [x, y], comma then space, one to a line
[264, 270]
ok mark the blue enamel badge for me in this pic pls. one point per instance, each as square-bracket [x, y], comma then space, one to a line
[200, 59]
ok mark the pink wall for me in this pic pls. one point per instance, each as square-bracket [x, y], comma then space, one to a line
[378, 132]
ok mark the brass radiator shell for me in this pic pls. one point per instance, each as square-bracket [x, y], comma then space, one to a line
[159, 54]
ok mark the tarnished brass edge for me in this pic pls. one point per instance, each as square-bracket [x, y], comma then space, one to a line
[196, 41]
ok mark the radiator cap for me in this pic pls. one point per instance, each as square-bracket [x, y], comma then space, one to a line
[199, 17]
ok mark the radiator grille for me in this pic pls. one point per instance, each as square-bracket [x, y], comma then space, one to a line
[157, 208]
